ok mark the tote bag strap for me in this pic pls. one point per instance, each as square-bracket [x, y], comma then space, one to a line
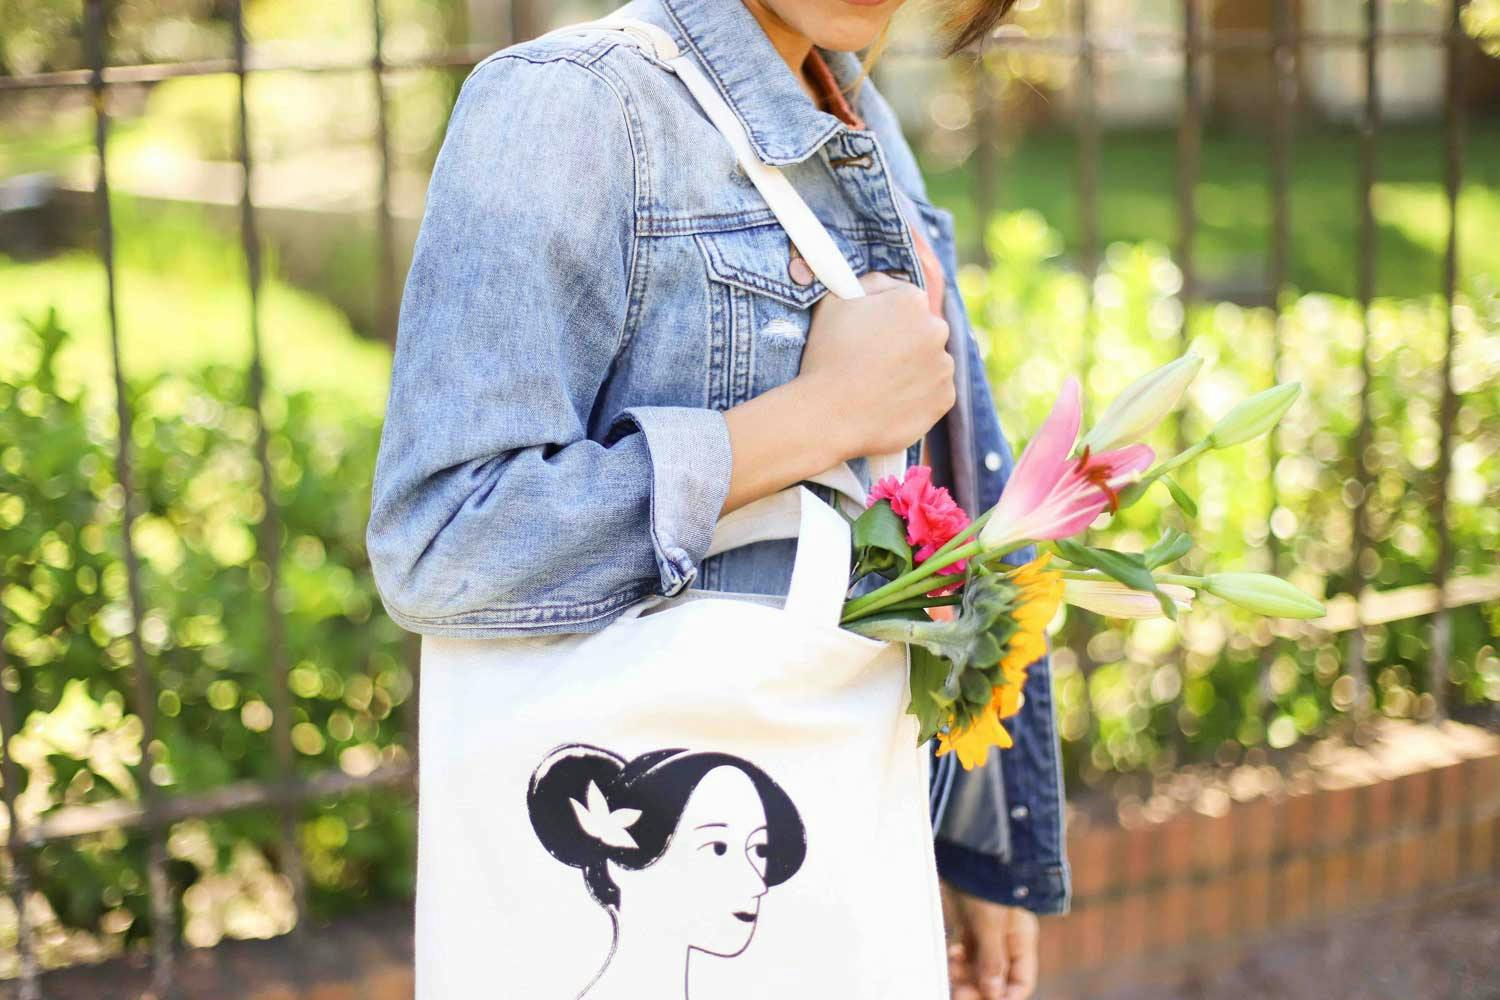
[806, 232]
[820, 573]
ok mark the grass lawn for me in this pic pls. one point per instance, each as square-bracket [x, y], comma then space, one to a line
[184, 303]
[1138, 201]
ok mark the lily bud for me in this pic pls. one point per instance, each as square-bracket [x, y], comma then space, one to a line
[1255, 416]
[1115, 600]
[1265, 595]
[1143, 404]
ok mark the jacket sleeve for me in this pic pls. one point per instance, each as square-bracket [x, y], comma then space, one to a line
[1000, 832]
[495, 511]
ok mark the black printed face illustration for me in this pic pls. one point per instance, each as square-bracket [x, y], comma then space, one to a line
[680, 848]
[705, 889]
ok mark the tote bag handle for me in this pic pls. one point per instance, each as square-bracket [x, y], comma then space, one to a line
[820, 572]
[807, 234]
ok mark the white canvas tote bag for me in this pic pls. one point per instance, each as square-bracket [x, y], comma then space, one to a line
[715, 797]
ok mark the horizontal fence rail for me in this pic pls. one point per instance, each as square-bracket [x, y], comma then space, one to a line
[156, 811]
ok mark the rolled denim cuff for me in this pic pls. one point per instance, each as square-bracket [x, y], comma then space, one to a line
[1042, 889]
[690, 467]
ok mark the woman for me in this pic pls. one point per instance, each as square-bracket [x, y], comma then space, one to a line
[694, 839]
[607, 341]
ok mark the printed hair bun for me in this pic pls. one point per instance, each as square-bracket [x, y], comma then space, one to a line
[560, 784]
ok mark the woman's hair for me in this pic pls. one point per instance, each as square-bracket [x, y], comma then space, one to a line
[658, 785]
[967, 21]
[964, 22]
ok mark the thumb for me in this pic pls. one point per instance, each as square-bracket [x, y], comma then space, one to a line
[875, 282]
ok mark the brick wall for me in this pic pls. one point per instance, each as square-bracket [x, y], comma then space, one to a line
[1189, 879]
[1158, 896]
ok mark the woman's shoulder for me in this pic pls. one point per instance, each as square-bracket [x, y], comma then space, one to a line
[568, 72]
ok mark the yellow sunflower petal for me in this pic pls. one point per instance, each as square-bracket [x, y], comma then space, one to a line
[1006, 701]
[973, 744]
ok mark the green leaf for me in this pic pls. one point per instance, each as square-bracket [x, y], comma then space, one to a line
[928, 673]
[1181, 497]
[1128, 568]
[1170, 547]
[880, 544]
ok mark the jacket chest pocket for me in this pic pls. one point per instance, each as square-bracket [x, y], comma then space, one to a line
[762, 295]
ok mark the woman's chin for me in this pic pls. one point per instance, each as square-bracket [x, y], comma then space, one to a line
[852, 34]
[730, 942]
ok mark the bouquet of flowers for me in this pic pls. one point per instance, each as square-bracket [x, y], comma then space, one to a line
[974, 622]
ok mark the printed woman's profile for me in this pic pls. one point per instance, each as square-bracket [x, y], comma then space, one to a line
[679, 847]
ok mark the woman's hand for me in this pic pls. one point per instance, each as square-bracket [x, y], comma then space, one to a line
[875, 377]
[881, 366]
[992, 949]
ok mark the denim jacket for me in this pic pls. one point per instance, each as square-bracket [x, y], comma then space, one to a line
[595, 281]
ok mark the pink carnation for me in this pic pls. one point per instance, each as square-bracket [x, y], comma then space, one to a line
[932, 518]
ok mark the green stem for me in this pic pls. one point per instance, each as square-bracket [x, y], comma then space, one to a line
[922, 604]
[1191, 582]
[941, 559]
[913, 584]
[886, 597]
[890, 630]
[1170, 465]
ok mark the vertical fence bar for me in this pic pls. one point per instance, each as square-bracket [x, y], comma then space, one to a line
[269, 533]
[1369, 127]
[163, 931]
[1189, 167]
[20, 851]
[1086, 123]
[385, 277]
[1087, 85]
[1283, 71]
[1189, 160]
[1442, 623]
[986, 160]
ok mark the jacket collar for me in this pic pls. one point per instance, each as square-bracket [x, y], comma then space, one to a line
[783, 124]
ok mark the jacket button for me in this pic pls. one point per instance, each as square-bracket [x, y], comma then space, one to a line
[992, 461]
[1021, 892]
[1020, 812]
[800, 272]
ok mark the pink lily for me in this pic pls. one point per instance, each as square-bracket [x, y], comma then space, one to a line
[1051, 495]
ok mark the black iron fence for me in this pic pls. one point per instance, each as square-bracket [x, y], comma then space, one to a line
[1282, 46]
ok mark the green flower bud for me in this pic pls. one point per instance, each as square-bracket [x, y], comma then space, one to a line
[1255, 416]
[1142, 405]
[1265, 595]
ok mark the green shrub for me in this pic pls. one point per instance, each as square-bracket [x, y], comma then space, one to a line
[204, 626]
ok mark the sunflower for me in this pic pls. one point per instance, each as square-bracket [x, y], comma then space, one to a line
[1038, 591]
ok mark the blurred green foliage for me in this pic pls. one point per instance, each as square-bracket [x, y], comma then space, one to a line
[204, 625]
[1154, 696]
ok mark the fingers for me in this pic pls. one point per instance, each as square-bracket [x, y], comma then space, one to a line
[992, 957]
[1023, 946]
[875, 282]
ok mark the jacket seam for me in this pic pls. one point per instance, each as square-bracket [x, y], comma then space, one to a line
[641, 185]
[530, 617]
[639, 179]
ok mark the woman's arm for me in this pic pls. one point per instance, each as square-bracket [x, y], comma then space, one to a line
[493, 511]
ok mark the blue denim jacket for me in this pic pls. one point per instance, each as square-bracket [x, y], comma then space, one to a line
[595, 281]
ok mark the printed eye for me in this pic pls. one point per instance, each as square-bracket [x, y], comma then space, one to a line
[757, 851]
[718, 846]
